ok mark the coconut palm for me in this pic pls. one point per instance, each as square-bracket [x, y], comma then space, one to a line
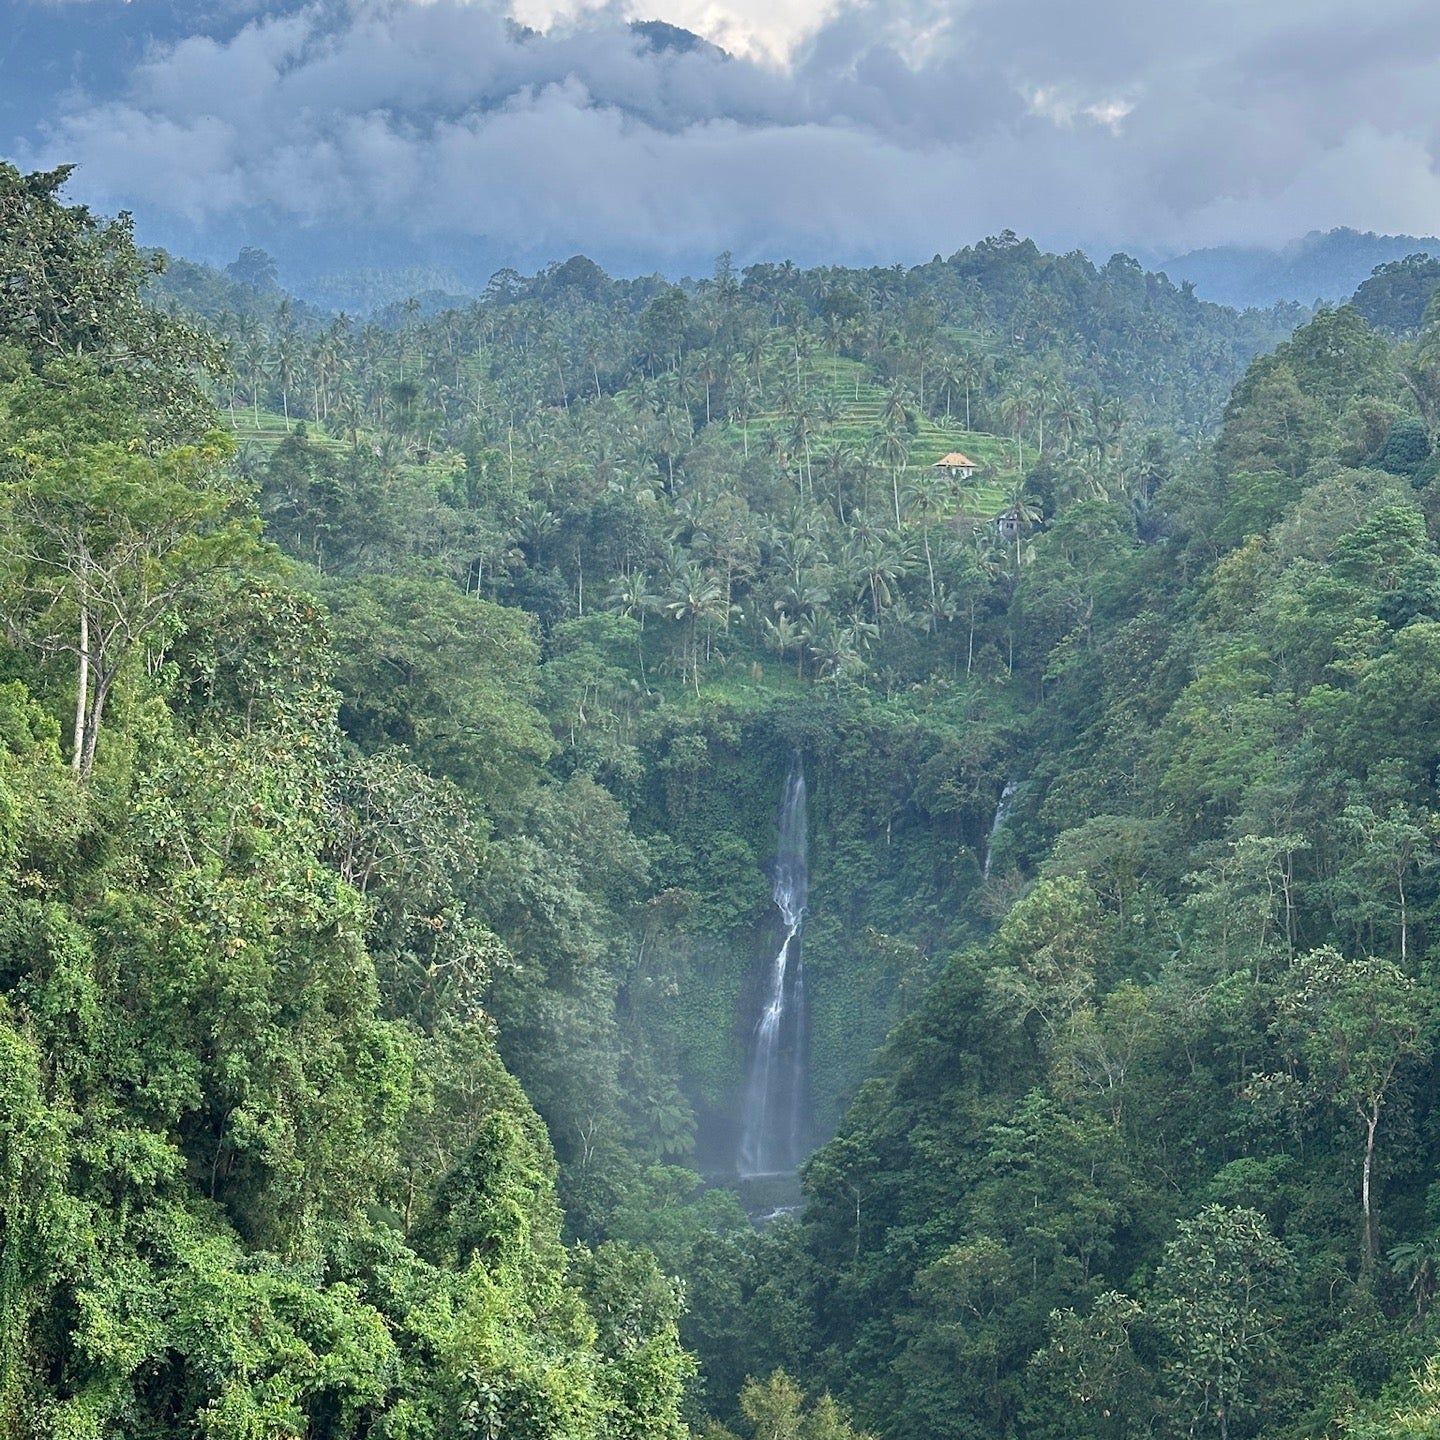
[892, 444]
[837, 460]
[949, 380]
[1417, 1263]
[1015, 407]
[925, 496]
[1022, 506]
[877, 564]
[974, 370]
[631, 596]
[783, 635]
[835, 648]
[1067, 414]
[693, 598]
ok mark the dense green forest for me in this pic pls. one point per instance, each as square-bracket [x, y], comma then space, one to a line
[394, 717]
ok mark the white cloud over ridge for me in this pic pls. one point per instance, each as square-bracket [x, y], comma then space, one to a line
[897, 128]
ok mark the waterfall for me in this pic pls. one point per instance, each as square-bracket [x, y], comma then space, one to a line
[1002, 814]
[773, 1116]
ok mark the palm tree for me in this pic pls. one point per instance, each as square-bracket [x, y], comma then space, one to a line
[1108, 420]
[1415, 1262]
[726, 535]
[1023, 508]
[802, 424]
[1068, 414]
[837, 331]
[740, 406]
[673, 437]
[943, 609]
[950, 380]
[836, 461]
[984, 567]
[835, 648]
[1042, 391]
[782, 634]
[923, 349]
[801, 599]
[411, 311]
[283, 355]
[896, 407]
[974, 369]
[351, 412]
[925, 494]
[693, 598]
[877, 564]
[1015, 412]
[251, 353]
[1082, 476]
[631, 596]
[893, 443]
[755, 348]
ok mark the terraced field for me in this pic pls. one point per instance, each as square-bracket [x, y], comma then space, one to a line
[847, 407]
[267, 429]
[843, 391]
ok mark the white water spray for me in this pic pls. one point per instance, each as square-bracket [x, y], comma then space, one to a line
[1002, 814]
[772, 1118]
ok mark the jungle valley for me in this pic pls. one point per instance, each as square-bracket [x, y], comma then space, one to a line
[803, 854]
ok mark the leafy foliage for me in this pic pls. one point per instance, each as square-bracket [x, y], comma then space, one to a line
[262, 1171]
[380, 945]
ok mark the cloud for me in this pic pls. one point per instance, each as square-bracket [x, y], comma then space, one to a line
[893, 129]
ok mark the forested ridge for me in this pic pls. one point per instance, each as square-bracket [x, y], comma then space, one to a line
[394, 716]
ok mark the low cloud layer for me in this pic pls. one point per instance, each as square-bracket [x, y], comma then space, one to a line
[896, 129]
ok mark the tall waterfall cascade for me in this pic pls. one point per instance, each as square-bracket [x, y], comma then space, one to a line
[772, 1120]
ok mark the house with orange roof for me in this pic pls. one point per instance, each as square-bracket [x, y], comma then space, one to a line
[956, 465]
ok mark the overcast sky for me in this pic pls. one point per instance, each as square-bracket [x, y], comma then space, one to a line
[860, 130]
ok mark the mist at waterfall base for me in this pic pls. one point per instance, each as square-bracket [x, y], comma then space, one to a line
[773, 1128]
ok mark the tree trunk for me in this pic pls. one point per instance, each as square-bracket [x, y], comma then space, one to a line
[82, 690]
[1372, 1122]
[99, 691]
[1404, 920]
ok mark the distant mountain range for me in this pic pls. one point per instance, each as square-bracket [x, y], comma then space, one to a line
[1323, 265]
[385, 269]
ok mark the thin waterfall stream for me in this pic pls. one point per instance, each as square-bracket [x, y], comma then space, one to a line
[1002, 814]
[772, 1119]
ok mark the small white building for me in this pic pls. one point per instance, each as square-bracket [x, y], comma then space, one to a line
[956, 465]
[1012, 523]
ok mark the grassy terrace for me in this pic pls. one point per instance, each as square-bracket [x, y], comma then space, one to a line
[266, 429]
[848, 405]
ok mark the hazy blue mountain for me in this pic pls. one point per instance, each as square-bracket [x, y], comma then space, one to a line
[660, 35]
[1323, 265]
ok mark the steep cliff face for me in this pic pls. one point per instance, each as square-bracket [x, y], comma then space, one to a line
[894, 870]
